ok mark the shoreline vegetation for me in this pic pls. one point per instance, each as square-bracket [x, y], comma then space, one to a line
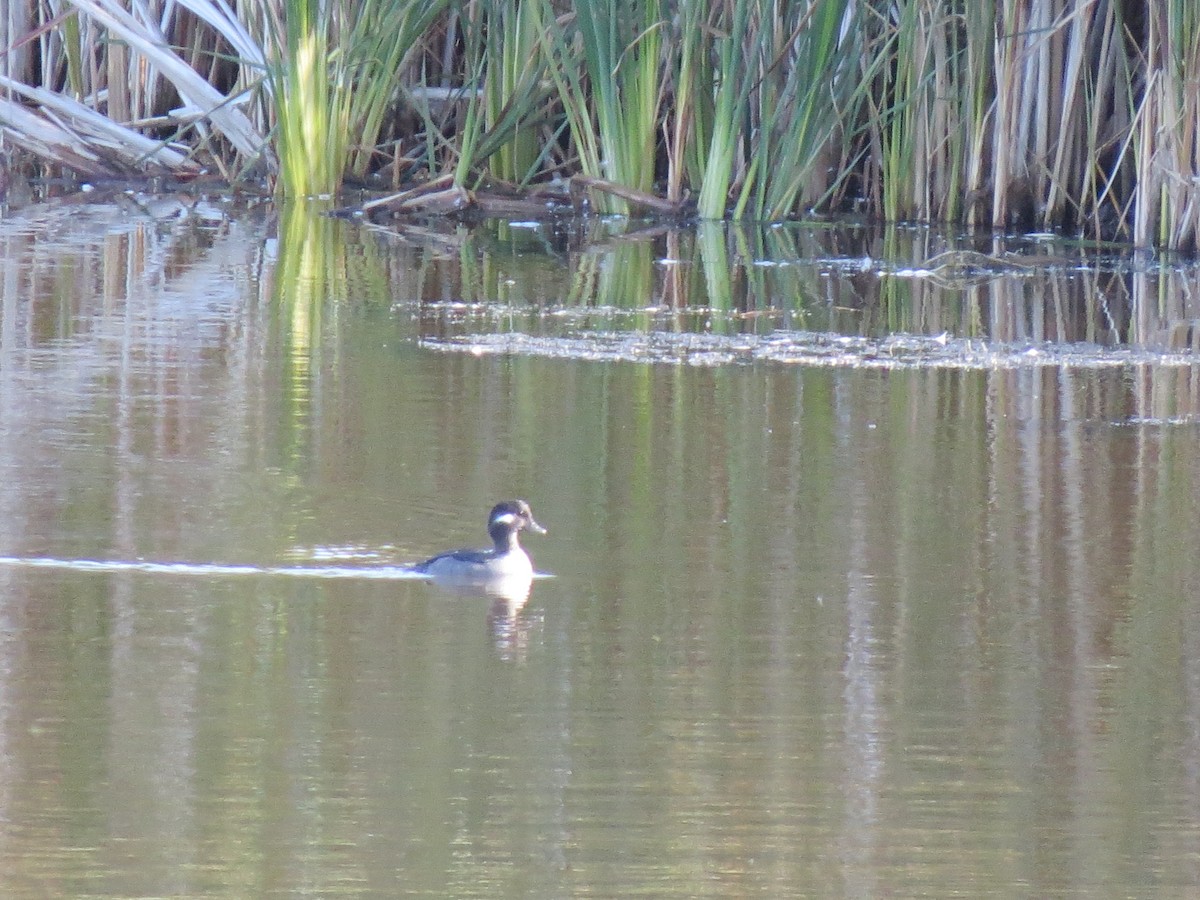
[1073, 115]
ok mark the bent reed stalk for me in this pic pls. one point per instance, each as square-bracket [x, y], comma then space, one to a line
[1078, 115]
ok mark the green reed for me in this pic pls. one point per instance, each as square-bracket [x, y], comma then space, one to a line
[606, 64]
[313, 106]
[809, 88]
[379, 39]
[688, 118]
[768, 93]
[338, 66]
[506, 128]
[932, 109]
[731, 92]
[514, 98]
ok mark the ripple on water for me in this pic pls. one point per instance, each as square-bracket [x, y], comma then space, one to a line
[212, 569]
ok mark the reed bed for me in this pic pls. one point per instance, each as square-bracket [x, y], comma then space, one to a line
[1078, 115]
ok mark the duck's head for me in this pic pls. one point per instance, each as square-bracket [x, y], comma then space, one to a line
[509, 517]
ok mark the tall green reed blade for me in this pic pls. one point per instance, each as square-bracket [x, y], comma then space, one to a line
[613, 114]
[337, 71]
[570, 82]
[375, 40]
[72, 45]
[903, 101]
[732, 95]
[975, 53]
[506, 99]
[512, 94]
[688, 125]
[934, 96]
[471, 129]
[313, 105]
[807, 96]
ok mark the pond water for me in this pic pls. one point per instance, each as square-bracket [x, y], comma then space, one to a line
[861, 587]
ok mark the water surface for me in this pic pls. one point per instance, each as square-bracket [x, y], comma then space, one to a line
[813, 630]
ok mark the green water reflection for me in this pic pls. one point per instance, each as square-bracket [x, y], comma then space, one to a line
[812, 631]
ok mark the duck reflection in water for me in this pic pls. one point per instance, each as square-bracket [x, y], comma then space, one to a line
[508, 628]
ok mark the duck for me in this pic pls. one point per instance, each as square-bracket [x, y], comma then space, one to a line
[505, 560]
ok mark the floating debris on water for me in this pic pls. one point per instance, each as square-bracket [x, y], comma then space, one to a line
[896, 351]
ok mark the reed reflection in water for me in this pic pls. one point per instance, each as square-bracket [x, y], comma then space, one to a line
[818, 631]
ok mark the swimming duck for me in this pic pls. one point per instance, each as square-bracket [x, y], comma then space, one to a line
[506, 559]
